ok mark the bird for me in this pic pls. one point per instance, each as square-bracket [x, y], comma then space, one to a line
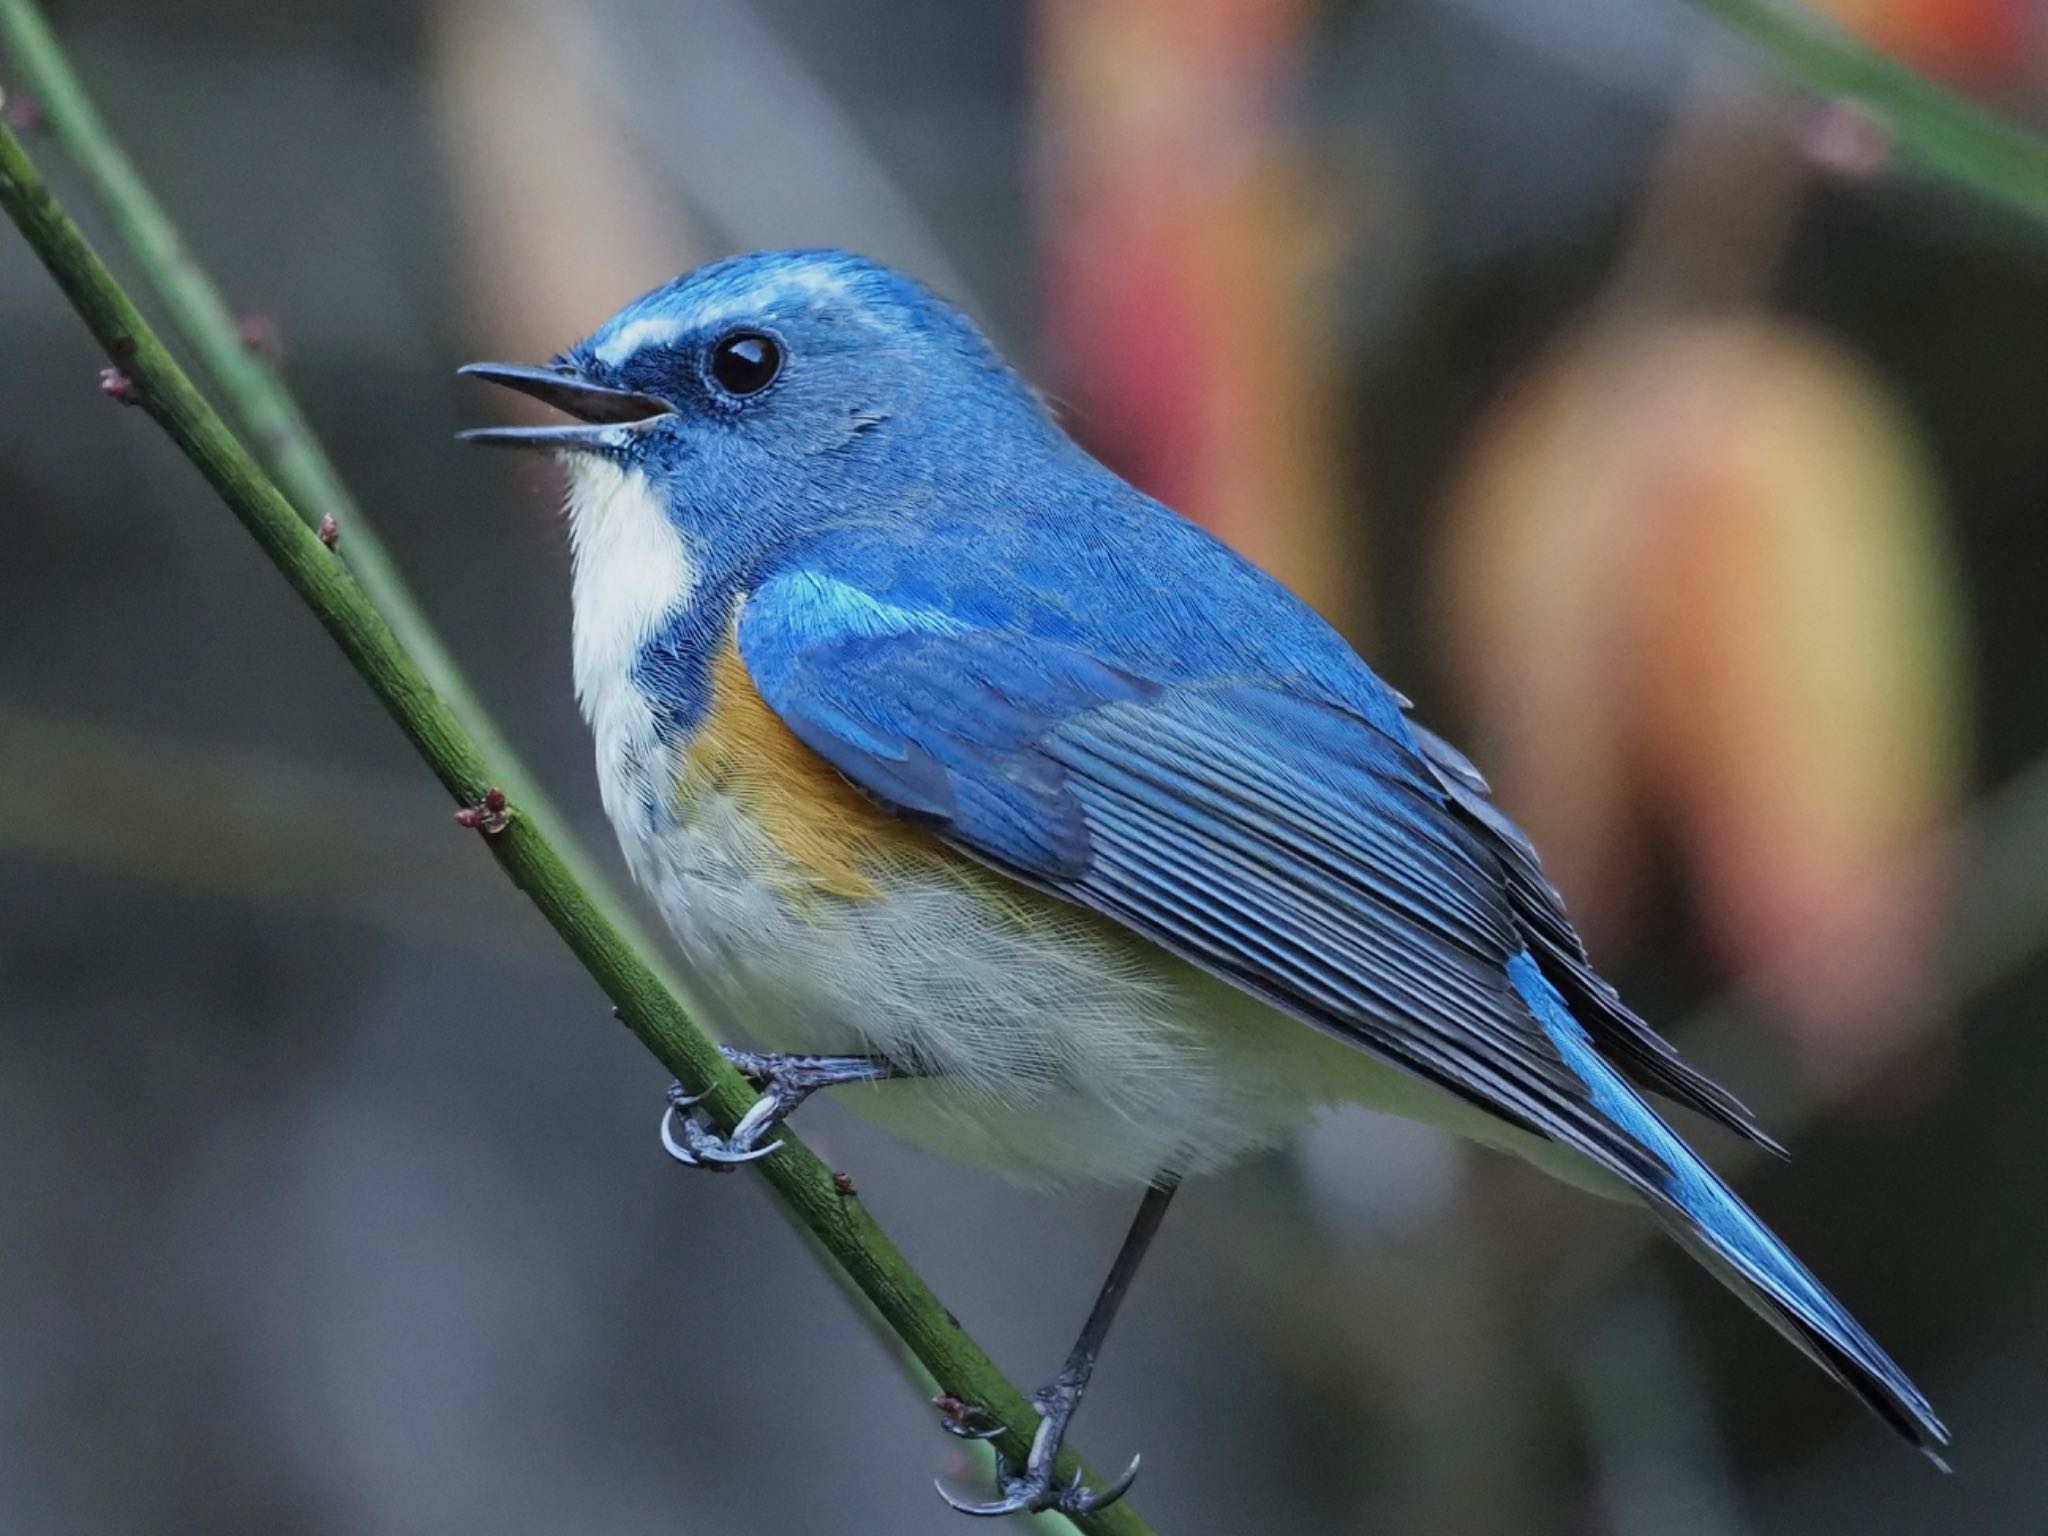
[1057, 835]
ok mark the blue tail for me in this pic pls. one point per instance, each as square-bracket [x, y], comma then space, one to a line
[1717, 1228]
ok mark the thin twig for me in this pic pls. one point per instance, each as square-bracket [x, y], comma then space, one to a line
[233, 355]
[154, 381]
[1929, 124]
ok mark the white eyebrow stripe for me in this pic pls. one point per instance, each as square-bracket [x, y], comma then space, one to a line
[629, 339]
[814, 283]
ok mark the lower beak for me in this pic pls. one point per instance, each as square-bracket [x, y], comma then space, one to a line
[606, 415]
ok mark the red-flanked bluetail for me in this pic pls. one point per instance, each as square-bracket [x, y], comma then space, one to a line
[1075, 846]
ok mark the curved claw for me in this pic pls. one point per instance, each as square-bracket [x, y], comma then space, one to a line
[727, 1156]
[960, 1429]
[1076, 1500]
[681, 1098]
[1009, 1504]
[699, 1147]
[669, 1143]
[762, 1114]
[1028, 1495]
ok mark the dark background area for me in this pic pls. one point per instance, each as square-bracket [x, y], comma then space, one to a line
[331, 1197]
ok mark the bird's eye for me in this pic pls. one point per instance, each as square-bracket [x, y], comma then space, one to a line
[745, 362]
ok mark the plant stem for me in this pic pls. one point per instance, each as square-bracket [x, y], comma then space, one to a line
[648, 1008]
[1931, 125]
[269, 417]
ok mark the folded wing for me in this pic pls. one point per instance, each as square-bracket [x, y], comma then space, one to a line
[1292, 846]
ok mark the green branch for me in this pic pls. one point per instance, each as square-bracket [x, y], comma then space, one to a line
[1931, 125]
[265, 412]
[841, 1224]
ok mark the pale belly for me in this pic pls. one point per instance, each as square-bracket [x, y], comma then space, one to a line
[1056, 1048]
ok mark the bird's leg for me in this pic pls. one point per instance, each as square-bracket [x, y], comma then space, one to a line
[785, 1082]
[1059, 1400]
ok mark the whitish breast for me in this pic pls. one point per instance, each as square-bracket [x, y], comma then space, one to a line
[633, 572]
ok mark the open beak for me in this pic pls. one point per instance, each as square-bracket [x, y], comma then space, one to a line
[604, 414]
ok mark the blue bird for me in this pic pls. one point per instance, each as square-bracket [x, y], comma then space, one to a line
[977, 780]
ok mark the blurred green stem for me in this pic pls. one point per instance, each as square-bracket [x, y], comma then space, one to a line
[149, 377]
[267, 415]
[1929, 124]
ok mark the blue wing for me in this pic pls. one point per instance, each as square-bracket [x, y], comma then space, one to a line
[1320, 856]
[1539, 912]
[1296, 845]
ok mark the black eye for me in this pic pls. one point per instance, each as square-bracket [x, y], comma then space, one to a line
[746, 362]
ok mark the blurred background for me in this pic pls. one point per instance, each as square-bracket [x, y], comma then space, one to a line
[1675, 450]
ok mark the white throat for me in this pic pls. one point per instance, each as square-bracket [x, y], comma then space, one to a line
[632, 572]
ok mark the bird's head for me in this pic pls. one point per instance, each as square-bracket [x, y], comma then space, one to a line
[781, 386]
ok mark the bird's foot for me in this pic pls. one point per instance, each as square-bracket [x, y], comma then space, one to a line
[1035, 1488]
[785, 1082]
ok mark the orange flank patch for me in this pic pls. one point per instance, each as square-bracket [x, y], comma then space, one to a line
[832, 839]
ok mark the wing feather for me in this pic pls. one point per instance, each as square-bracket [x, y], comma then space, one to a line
[1644, 1054]
[1289, 845]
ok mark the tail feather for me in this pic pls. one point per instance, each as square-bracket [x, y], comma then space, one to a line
[1713, 1224]
[1868, 1372]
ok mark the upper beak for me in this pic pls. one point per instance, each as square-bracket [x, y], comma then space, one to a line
[608, 412]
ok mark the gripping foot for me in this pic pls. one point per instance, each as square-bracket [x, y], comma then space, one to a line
[1035, 1488]
[785, 1082]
